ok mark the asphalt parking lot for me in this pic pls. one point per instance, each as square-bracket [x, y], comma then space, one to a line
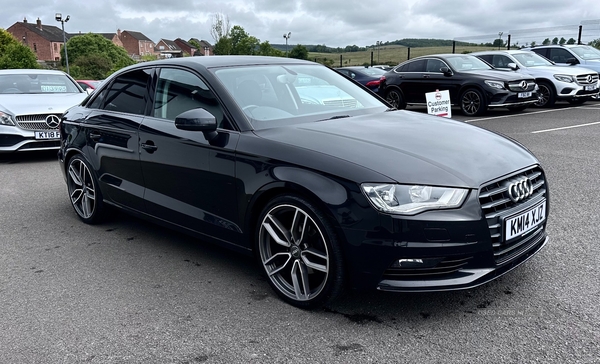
[127, 291]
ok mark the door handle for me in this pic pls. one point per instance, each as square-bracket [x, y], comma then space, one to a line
[426, 76]
[149, 146]
[95, 136]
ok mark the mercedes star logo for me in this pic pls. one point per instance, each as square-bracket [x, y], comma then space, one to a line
[523, 85]
[520, 189]
[589, 78]
[52, 121]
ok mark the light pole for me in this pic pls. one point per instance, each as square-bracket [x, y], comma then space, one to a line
[500, 37]
[62, 21]
[287, 36]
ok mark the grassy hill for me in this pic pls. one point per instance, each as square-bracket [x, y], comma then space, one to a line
[391, 54]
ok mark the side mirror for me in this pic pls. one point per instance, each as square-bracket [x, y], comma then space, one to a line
[446, 71]
[513, 66]
[198, 120]
[572, 61]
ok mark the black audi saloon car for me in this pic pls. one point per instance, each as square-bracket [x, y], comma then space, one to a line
[326, 195]
[474, 85]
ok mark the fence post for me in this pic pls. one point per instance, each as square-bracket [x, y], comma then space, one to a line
[508, 42]
[341, 60]
[371, 58]
[453, 46]
[579, 36]
[408, 55]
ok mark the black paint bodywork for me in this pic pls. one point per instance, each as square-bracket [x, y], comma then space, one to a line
[216, 191]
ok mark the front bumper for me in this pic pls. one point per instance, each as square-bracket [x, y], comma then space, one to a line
[509, 98]
[448, 249]
[15, 139]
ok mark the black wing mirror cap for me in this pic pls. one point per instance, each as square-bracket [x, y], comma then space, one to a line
[198, 120]
[446, 71]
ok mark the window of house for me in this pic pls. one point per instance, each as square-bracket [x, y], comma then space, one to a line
[35, 47]
[126, 94]
[179, 91]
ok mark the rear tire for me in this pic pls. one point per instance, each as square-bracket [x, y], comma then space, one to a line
[84, 193]
[395, 98]
[299, 251]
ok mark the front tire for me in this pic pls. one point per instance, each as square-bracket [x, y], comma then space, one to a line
[84, 194]
[472, 103]
[546, 95]
[299, 252]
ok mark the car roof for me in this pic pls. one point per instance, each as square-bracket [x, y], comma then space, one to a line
[31, 71]
[226, 61]
[505, 51]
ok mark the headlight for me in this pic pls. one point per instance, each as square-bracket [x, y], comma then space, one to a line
[6, 119]
[564, 78]
[495, 84]
[412, 199]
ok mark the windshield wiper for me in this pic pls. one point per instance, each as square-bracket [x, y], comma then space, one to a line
[336, 117]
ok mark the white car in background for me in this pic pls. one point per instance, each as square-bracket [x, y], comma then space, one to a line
[32, 102]
[572, 84]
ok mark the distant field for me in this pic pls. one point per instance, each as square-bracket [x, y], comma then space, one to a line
[391, 55]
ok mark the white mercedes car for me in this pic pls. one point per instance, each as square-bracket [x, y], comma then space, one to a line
[31, 104]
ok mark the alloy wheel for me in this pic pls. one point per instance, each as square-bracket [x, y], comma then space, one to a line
[293, 252]
[82, 190]
[543, 96]
[471, 102]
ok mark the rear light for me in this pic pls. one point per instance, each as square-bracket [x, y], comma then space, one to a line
[373, 83]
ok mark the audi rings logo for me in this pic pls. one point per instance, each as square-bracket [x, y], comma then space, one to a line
[520, 189]
[523, 85]
[589, 78]
[52, 121]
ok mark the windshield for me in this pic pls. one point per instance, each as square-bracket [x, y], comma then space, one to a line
[531, 59]
[586, 52]
[372, 71]
[467, 63]
[276, 95]
[34, 83]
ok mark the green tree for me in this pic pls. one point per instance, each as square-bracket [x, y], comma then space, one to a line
[13, 54]
[545, 42]
[299, 52]
[571, 41]
[562, 41]
[222, 47]
[498, 43]
[93, 50]
[266, 49]
[532, 44]
[242, 42]
[595, 43]
[555, 40]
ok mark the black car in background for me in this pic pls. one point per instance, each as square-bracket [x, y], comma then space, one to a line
[368, 76]
[237, 151]
[474, 85]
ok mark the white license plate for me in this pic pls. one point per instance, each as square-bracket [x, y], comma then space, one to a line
[590, 87]
[54, 134]
[522, 95]
[525, 221]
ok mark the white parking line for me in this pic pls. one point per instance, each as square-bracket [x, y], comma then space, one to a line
[532, 113]
[565, 127]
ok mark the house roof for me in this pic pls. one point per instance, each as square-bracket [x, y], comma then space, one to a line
[137, 35]
[203, 43]
[48, 32]
[170, 44]
[186, 44]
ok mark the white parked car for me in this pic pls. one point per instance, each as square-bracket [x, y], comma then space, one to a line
[572, 84]
[31, 104]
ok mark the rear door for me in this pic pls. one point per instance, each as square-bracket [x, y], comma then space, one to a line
[112, 133]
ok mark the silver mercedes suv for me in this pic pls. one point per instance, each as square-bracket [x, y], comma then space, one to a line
[555, 82]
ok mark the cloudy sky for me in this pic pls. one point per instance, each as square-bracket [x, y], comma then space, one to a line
[335, 23]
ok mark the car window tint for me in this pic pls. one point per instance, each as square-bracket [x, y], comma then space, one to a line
[500, 61]
[434, 65]
[559, 55]
[179, 91]
[126, 94]
[416, 66]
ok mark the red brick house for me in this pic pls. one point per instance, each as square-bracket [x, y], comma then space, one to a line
[44, 40]
[206, 49]
[185, 46]
[168, 49]
[136, 44]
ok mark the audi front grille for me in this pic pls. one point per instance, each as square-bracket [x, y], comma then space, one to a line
[497, 205]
